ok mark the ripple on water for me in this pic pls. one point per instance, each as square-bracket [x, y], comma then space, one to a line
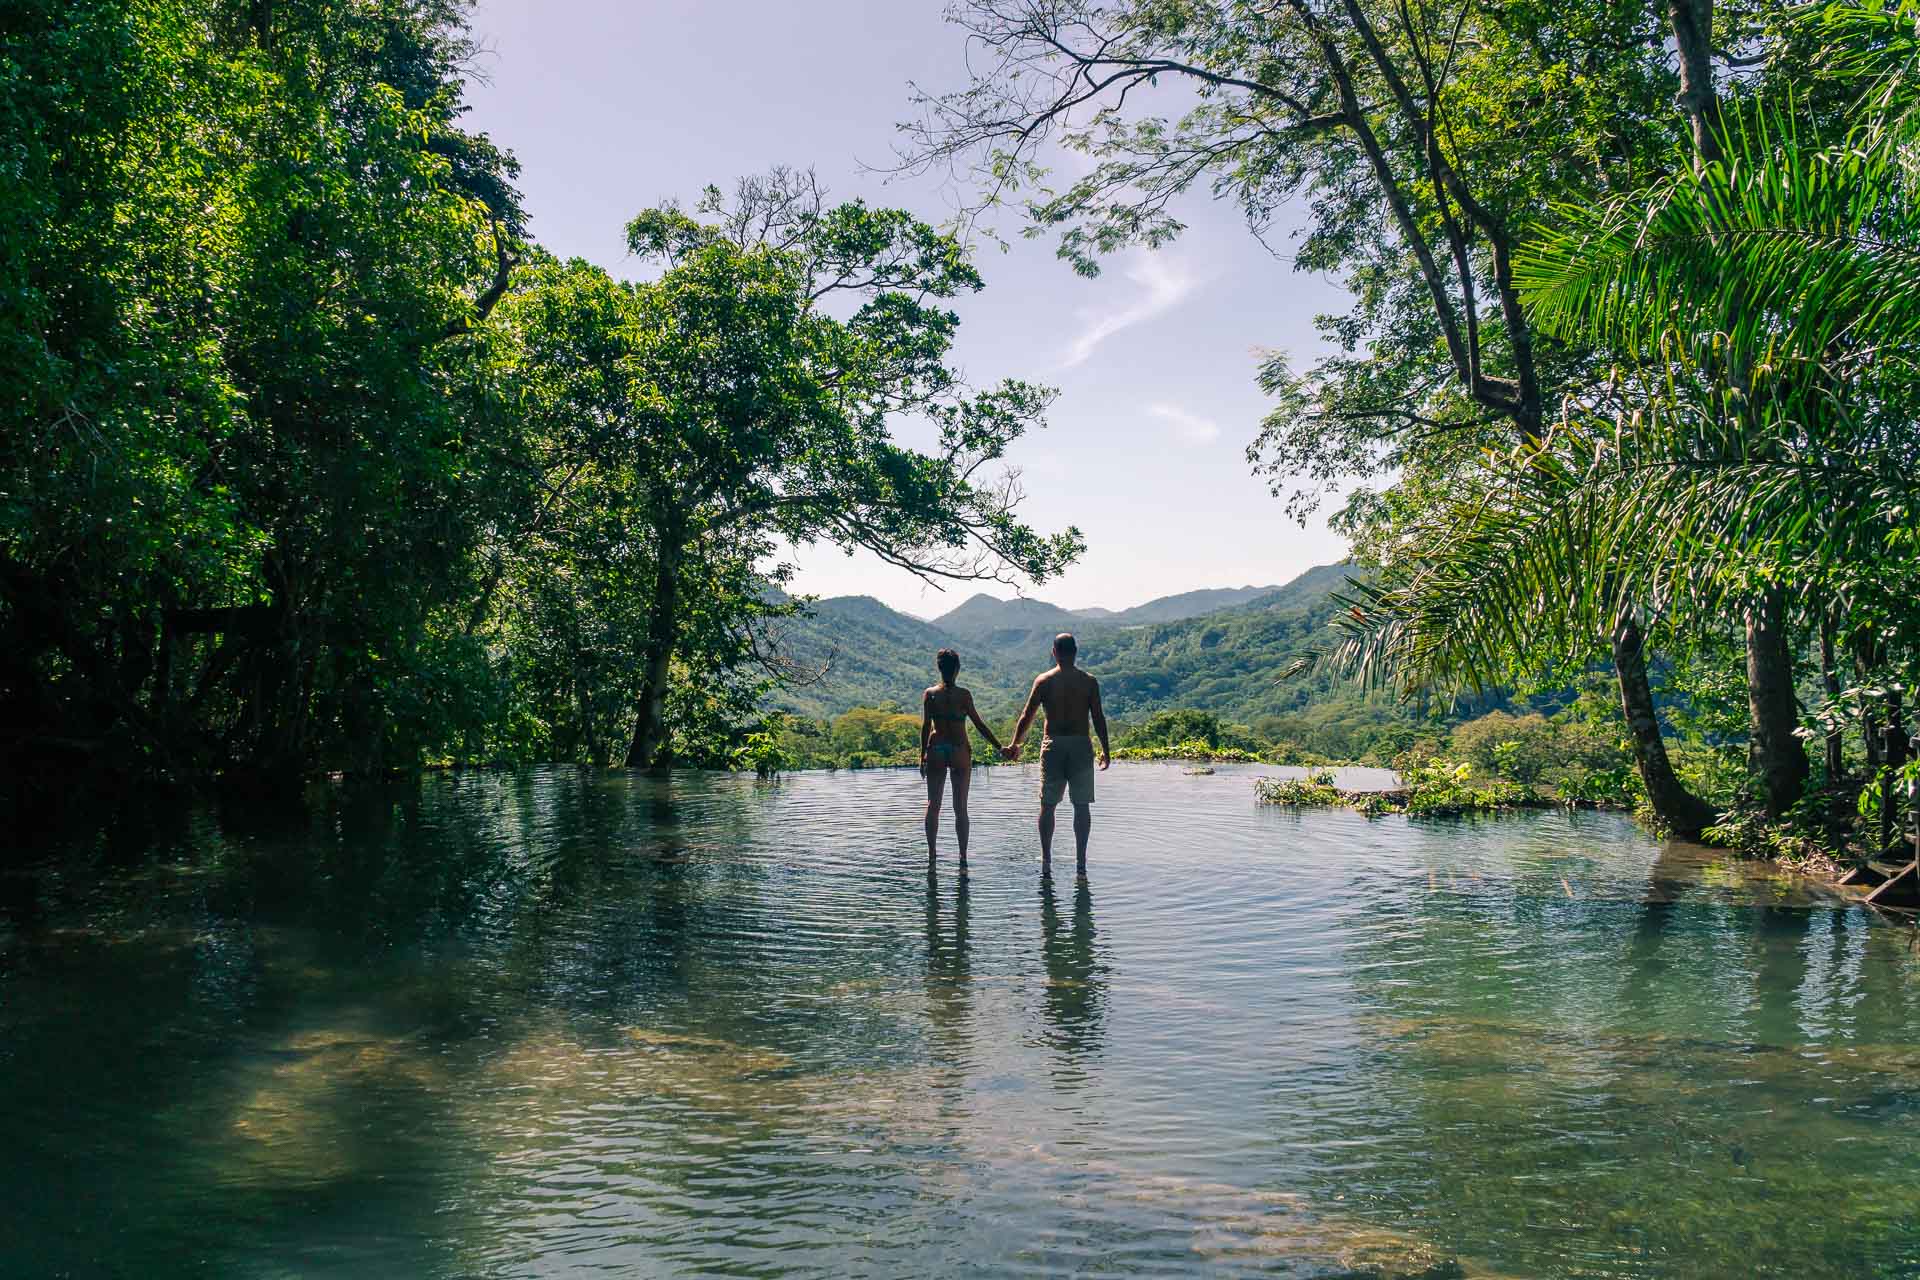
[563, 1022]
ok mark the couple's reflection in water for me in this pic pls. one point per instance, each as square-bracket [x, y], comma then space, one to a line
[1076, 980]
[1073, 1005]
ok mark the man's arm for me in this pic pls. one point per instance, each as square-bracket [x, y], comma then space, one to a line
[1099, 722]
[1012, 751]
[973, 713]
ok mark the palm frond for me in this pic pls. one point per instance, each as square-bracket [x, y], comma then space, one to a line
[1780, 247]
[1580, 529]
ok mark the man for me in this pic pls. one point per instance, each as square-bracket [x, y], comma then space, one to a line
[1072, 699]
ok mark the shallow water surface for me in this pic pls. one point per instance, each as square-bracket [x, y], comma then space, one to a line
[560, 1023]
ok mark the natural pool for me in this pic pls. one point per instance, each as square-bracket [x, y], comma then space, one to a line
[560, 1023]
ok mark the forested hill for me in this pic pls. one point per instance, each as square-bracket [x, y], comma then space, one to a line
[984, 613]
[1226, 660]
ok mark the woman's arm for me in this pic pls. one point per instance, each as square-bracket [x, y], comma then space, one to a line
[973, 713]
[926, 726]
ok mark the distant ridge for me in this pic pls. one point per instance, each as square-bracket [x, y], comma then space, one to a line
[983, 614]
[1218, 648]
[1192, 604]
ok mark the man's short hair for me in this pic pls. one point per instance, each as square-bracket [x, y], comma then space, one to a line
[949, 663]
[1065, 645]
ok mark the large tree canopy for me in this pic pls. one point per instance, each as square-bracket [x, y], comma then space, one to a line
[1421, 140]
[241, 244]
[744, 401]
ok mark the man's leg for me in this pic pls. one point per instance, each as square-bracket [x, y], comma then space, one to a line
[1046, 832]
[936, 782]
[1082, 825]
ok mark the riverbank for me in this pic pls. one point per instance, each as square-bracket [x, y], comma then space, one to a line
[1437, 789]
[1442, 790]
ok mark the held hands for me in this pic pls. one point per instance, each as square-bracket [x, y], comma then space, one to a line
[1010, 752]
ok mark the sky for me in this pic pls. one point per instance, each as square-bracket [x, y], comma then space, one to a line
[614, 105]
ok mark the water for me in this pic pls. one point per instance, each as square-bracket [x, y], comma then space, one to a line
[566, 1024]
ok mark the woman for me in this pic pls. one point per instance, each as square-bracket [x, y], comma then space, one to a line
[944, 748]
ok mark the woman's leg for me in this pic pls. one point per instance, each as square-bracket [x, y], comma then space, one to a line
[936, 782]
[962, 779]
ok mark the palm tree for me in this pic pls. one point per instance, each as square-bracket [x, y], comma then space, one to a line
[1762, 305]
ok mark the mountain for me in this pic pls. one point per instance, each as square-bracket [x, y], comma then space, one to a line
[1314, 585]
[1189, 604]
[1224, 659]
[984, 614]
[866, 655]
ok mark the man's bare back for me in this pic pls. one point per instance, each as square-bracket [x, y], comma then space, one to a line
[1067, 695]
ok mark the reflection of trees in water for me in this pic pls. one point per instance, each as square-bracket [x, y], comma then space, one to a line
[1076, 980]
[1650, 1068]
[323, 1003]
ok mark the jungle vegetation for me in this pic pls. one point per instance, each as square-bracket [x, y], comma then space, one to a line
[313, 460]
[1629, 382]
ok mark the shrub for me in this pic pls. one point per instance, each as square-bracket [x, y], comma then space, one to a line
[1616, 788]
[1441, 788]
[1316, 790]
[1192, 749]
[1516, 747]
[761, 752]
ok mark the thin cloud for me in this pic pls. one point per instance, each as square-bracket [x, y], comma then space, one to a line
[1166, 283]
[1191, 426]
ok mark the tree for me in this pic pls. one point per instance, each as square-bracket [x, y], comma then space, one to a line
[1423, 140]
[1752, 300]
[242, 250]
[743, 401]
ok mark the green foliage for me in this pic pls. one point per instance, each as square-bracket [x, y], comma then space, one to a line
[1618, 787]
[311, 460]
[867, 736]
[1749, 453]
[240, 249]
[1435, 789]
[742, 402]
[1443, 788]
[1164, 728]
[1187, 733]
[763, 754]
[1580, 760]
[1316, 790]
[1191, 749]
[1516, 747]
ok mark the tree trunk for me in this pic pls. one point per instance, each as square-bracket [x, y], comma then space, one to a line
[1775, 752]
[663, 625]
[1692, 24]
[1830, 679]
[1864, 657]
[1685, 813]
[1898, 746]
